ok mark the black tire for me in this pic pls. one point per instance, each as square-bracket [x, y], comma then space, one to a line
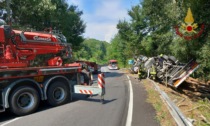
[173, 59]
[24, 100]
[58, 94]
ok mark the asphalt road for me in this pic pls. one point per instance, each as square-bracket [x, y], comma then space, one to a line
[117, 110]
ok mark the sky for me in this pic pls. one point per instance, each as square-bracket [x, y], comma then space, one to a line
[101, 16]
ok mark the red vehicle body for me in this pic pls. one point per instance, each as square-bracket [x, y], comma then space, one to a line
[18, 48]
[113, 65]
[22, 87]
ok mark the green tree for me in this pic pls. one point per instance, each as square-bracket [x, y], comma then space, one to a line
[151, 30]
[133, 32]
[57, 14]
[93, 50]
[118, 50]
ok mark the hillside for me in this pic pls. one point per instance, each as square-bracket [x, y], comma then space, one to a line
[93, 50]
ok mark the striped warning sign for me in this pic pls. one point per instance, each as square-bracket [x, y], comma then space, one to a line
[86, 92]
[101, 82]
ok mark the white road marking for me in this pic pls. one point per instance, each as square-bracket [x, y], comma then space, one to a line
[4, 124]
[130, 106]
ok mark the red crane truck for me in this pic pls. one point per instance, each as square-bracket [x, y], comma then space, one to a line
[22, 86]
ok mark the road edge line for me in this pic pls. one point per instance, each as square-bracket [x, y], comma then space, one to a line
[130, 105]
[4, 124]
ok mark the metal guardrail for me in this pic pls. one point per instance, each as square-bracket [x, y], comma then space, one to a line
[178, 116]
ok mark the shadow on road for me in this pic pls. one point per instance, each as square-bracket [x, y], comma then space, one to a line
[110, 74]
[78, 97]
[99, 100]
[6, 116]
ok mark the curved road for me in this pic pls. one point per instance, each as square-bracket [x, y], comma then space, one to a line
[125, 105]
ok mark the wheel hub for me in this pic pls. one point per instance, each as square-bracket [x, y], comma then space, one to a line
[58, 94]
[25, 100]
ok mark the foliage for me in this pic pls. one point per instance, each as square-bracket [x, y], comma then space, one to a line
[118, 50]
[133, 32]
[151, 31]
[41, 14]
[3, 9]
[93, 50]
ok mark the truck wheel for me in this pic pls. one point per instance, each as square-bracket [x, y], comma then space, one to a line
[24, 100]
[58, 93]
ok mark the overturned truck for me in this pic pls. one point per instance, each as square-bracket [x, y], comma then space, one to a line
[166, 69]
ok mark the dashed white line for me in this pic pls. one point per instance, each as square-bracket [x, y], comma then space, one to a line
[130, 106]
[4, 124]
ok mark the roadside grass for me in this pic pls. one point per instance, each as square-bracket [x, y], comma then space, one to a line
[162, 114]
[198, 110]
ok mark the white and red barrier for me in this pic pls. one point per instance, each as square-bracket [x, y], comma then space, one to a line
[93, 89]
[86, 92]
[101, 82]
